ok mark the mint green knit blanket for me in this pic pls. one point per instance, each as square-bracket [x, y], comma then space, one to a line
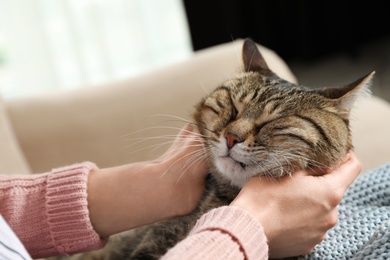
[363, 229]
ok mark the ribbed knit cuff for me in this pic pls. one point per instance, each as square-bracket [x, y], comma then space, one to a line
[67, 210]
[240, 225]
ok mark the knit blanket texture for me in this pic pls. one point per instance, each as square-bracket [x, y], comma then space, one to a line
[363, 228]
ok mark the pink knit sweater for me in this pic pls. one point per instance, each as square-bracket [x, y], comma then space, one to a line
[49, 213]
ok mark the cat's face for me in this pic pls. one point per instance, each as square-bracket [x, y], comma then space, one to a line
[259, 124]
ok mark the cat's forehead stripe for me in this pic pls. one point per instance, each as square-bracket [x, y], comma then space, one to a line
[268, 113]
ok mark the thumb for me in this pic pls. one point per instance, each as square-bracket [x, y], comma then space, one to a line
[347, 172]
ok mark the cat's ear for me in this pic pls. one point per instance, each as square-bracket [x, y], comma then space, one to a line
[253, 60]
[346, 96]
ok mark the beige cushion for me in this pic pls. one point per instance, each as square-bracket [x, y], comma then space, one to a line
[370, 125]
[11, 159]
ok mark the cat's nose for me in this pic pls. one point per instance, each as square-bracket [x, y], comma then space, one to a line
[232, 139]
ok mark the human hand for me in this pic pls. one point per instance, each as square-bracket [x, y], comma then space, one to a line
[138, 194]
[185, 164]
[297, 211]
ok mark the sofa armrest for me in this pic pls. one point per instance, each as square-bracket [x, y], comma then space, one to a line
[12, 159]
[370, 126]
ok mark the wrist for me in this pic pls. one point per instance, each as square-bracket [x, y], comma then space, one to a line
[133, 195]
[248, 200]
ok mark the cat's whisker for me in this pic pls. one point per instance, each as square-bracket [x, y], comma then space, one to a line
[265, 171]
[179, 159]
[284, 160]
[231, 80]
[295, 156]
[314, 163]
[157, 146]
[197, 158]
[173, 150]
[197, 137]
[205, 128]
[183, 139]
[178, 119]
[278, 164]
[123, 137]
[189, 131]
[159, 127]
[182, 119]
[193, 133]
[285, 157]
[153, 147]
[145, 139]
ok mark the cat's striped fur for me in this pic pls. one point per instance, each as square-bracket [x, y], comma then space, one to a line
[256, 124]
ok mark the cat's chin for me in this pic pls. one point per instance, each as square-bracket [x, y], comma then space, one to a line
[235, 172]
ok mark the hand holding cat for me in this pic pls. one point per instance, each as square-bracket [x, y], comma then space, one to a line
[297, 211]
[129, 196]
[184, 163]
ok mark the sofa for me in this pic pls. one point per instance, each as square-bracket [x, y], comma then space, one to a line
[135, 119]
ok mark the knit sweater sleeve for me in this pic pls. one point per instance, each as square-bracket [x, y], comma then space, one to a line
[49, 211]
[224, 233]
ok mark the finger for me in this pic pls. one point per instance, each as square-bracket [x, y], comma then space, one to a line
[185, 130]
[188, 129]
[344, 160]
[347, 172]
[178, 142]
[348, 156]
[185, 134]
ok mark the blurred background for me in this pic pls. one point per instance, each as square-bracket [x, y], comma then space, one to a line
[46, 45]
[66, 44]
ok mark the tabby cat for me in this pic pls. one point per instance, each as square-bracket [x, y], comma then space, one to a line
[255, 124]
